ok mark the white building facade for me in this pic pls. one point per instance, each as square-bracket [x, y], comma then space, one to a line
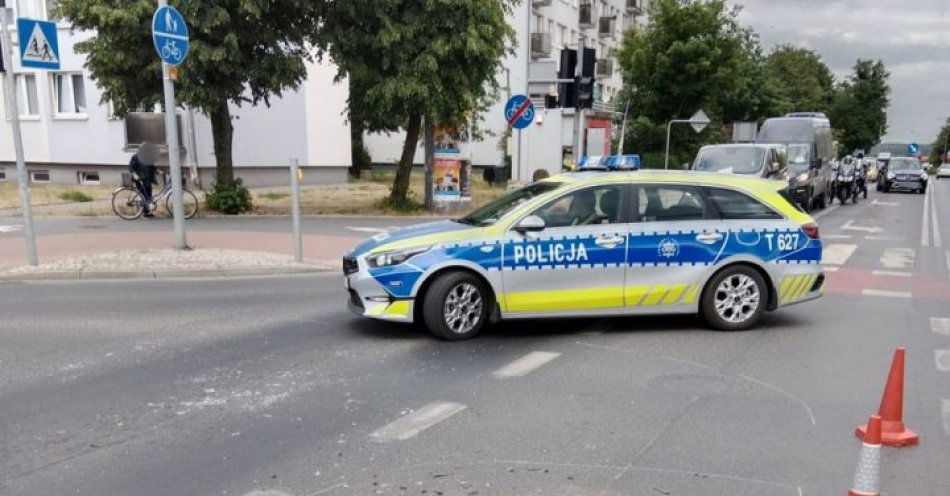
[544, 28]
[69, 136]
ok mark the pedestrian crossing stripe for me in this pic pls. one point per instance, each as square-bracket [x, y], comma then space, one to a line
[38, 48]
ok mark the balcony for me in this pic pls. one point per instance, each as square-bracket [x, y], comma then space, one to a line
[607, 28]
[540, 45]
[605, 68]
[586, 14]
[635, 7]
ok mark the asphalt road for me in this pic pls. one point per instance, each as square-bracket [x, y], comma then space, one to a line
[269, 387]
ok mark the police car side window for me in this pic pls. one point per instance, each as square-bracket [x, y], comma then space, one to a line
[662, 203]
[589, 206]
[735, 205]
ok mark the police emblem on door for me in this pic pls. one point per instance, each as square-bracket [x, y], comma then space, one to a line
[668, 248]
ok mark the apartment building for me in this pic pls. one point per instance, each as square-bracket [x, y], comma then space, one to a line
[70, 136]
[544, 27]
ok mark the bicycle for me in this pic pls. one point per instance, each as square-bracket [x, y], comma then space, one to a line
[128, 203]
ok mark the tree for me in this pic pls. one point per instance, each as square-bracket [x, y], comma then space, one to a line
[859, 108]
[415, 61]
[938, 151]
[802, 82]
[689, 57]
[242, 51]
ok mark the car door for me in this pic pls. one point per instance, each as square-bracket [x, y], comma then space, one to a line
[673, 239]
[575, 264]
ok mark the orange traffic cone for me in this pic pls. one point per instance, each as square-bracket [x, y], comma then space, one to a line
[893, 430]
[867, 477]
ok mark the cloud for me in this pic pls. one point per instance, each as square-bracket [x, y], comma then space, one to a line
[910, 36]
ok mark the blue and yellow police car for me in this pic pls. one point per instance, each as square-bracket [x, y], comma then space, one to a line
[603, 241]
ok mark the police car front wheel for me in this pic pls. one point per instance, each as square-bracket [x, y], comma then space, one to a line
[456, 306]
[734, 299]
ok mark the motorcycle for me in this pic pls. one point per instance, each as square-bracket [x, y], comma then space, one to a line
[846, 184]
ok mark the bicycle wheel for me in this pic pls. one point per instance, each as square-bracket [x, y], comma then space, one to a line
[128, 203]
[189, 203]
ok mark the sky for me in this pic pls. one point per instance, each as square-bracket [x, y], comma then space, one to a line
[912, 37]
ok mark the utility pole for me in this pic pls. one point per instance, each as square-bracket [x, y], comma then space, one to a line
[174, 159]
[10, 90]
[623, 128]
[578, 111]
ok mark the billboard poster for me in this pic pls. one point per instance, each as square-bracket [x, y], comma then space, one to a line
[447, 174]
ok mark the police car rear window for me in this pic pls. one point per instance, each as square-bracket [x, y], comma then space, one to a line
[498, 208]
[734, 205]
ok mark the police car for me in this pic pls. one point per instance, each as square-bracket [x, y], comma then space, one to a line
[603, 242]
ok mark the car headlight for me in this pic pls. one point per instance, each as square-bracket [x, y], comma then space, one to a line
[801, 178]
[394, 257]
[890, 175]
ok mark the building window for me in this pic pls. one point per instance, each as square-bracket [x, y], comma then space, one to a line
[3, 174]
[564, 41]
[89, 178]
[28, 8]
[39, 176]
[28, 104]
[70, 92]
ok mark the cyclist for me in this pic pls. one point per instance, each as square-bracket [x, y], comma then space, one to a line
[142, 167]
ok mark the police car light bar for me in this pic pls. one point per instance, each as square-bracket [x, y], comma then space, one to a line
[611, 162]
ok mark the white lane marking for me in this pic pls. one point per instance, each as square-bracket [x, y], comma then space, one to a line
[411, 424]
[825, 212]
[940, 325]
[924, 231]
[885, 293]
[947, 256]
[837, 254]
[942, 360]
[10, 228]
[898, 258]
[935, 225]
[849, 226]
[883, 238]
[525, 365]
[371, 230]
[879, 203]
[891, 273]
[836, 236]
[830, 268]
[945, 415]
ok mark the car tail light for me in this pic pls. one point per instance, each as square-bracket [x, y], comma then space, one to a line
[811, 229]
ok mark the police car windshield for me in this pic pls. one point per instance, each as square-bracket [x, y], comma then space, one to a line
[498, 208]
[734, 159]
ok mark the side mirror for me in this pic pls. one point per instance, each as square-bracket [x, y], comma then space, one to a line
[531, 223]
[775, 166]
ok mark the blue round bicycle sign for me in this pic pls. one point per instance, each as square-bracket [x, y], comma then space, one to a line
[170, 34]
[519, 112]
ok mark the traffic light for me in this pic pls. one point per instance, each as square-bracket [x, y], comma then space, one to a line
[580, 93]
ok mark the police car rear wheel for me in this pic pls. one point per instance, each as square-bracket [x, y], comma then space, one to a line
[734, 299]
[456, 306]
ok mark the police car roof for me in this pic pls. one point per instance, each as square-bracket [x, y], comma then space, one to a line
[750, 183]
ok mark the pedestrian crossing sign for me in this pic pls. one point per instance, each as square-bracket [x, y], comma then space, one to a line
[39, 47]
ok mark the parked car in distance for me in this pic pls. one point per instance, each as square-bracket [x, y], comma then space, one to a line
[753, 159]
[810, 146]
[944, 170]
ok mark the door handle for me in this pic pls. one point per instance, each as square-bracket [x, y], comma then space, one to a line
[709, 238]
[609, 242]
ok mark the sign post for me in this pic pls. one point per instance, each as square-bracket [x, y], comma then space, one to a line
[39, 49]
[170, 35]
[698, 122]
[519, 112]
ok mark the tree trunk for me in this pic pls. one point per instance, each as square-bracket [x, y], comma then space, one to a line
[404, 169]
[222, 133]
[429, 146]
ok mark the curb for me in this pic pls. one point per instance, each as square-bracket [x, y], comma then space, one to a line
[92, 275]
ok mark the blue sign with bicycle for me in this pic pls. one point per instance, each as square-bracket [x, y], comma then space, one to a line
[519, 112]
[913, 149]
[170, 34]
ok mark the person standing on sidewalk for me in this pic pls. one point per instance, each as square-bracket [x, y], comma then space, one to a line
[142, 167]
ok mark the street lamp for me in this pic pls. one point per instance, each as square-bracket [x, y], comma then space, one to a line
[699, 121]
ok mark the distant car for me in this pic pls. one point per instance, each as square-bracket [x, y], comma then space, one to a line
[944, 170]
[903, 173]
[759, 160]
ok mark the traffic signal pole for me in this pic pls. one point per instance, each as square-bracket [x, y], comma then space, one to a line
[578, 110]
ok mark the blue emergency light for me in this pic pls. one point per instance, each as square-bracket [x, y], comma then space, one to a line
[611, 162]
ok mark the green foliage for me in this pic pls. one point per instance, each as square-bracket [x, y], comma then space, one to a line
[859, 109]
[413, 59]
[689, 57]
[405, 205]
[75, 196]
[800, 80]
[242, 51]
[940, 144]
[229, 198]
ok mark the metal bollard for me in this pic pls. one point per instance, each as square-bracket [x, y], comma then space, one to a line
[295, 208]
